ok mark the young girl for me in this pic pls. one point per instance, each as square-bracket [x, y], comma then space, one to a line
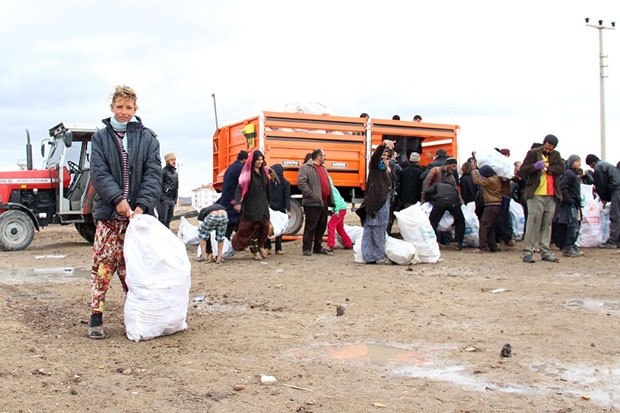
[336, 222]
[252, 201]
[124, 144]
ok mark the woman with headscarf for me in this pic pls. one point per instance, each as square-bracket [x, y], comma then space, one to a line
[252, 201]
[375, 209]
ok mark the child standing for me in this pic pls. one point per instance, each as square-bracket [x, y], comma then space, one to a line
[486, 178]
[571, 205]
[336, 222]
[212, 218]
[126, 175]
[280, 189]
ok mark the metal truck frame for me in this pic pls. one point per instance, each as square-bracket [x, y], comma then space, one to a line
[348, 142]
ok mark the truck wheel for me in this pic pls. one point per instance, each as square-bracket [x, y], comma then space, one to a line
[16, 230]
[86, 230]
[297, 218]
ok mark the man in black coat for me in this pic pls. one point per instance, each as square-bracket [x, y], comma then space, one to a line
[607, 184]
[169, 190]
[410, 183]
[229, 186]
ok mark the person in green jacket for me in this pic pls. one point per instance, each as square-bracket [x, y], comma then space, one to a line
[336, 222]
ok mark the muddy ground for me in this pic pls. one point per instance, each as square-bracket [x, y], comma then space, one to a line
[420, 338]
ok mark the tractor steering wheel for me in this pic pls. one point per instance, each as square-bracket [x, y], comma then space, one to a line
[73, 167]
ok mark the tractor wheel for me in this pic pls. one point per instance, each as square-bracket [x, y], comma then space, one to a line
[16, 230]
[296, 221]
[87, 231]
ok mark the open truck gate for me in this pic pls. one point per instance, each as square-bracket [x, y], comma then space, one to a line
[348, 142]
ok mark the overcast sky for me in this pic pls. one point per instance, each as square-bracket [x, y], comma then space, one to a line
[507, 72]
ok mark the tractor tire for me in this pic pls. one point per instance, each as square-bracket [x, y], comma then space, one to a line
[16, 230]
[296, 221]
[87, 230]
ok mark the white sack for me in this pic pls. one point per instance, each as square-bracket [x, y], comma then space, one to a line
[472, 225]
[227, 251]
[354, 232]
[591, 231]
[158, 278]
[517, 218]
[357, 251]
[416, 229]
[188, 233]
[500, 163]
[445, 223]
[400, 251]
[279, 222]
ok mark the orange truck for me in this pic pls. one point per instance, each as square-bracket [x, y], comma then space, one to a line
[348, 142]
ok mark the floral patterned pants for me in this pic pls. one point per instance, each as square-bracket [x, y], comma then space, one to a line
[108, 258]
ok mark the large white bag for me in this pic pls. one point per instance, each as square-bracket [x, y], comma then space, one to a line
[227, 252]
[279, 222]
[188, 233]
[354, 232]
[445, 223]
[472, 225]
[357, 251]
[517, 218]
[500, 164]
[400, 251]
[158, 278]
[416, 228]
[591, 230]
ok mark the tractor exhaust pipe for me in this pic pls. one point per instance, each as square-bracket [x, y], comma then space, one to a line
[28, 151]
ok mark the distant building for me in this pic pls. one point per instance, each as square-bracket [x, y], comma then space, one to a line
[203, 196]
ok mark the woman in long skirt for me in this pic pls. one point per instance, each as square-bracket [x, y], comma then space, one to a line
[375, 210]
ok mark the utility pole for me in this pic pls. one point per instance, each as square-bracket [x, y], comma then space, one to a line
[602, 56]
[217, 126]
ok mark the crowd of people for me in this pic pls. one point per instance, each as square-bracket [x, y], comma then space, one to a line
[128, 178]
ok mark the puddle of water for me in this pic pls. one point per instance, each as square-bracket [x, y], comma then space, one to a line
[599, 384]
[375, 354]
[592, 304]
[51, 274]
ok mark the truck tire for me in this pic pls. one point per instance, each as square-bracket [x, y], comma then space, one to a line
[16, 230]
[86, 230]
[296, 221]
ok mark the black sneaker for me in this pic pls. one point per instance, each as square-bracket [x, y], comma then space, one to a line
[323, 251]
[96, 332]
[608, 245]
[307, 253]
[549, 257]
[529, 258]
[95, 327]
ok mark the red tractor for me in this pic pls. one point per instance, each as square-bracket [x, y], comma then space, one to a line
[60, 193]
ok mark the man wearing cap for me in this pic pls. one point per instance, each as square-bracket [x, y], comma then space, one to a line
[169, 190]
[542, 167]
[441, 156]
[440, 188]
[607, 184]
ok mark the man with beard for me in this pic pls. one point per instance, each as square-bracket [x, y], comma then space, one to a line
[542, 166]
